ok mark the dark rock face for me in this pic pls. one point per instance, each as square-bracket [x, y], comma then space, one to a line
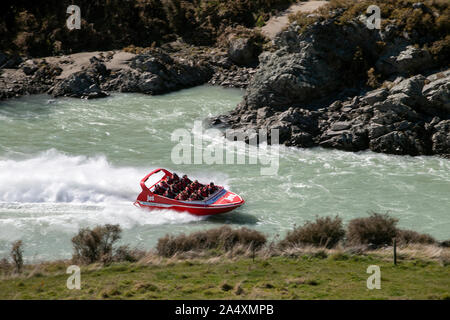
[83, 84]
[294, 88]
[157, 72]
[309, 66]
[404, 59]
[7, 61]
[242, 51]
[404, 119]
[29, 78]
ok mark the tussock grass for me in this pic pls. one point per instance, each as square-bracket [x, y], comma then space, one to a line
[323, 232]
[223, 238]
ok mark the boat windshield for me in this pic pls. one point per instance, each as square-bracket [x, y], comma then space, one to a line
[154, 178]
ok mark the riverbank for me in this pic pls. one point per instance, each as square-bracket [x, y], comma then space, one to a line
[317, 274]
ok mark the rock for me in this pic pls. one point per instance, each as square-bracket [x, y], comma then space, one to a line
[397, 142]
[241, 51]
[375, 96]
[340, 125]
[300, 72]
[441, 138]
[411, 87]
[29, 69]
[3, 59]
[437, 93]
[395, 121]
[80, 85]
[302, 140]
[404, 60]
[9, 62]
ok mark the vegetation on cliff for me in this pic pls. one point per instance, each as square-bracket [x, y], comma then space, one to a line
[40, 29]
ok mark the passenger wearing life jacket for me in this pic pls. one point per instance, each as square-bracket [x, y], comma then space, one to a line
[194, 197]
[176, 188]
[189, 190]
[183, 196]
[169, 194]
[175, 177]
[164, 185]
[158, 190]
[186, 180]
[199, 194]
[204, 192]
[212, 188]
[169, 180]
[195, 185]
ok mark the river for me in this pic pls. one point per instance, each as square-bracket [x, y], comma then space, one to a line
[69, 163]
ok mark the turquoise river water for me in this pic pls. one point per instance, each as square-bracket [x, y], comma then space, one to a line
[70, 163]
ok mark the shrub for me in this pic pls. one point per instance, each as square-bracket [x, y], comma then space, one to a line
[5, 266]
[124, 253]
[96, 244]
[445, 244]
[409, 236]
[377, 229]
[223, 238]
[17, 255]
[323, 232]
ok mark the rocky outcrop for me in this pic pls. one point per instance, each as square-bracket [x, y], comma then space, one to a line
[30, 77]
[83, 84]
[233, 77]
[154, 71]
[311, 65]
[312, 88]
[157, 72]
[402, 119]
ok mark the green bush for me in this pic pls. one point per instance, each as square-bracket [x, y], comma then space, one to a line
[323, 232]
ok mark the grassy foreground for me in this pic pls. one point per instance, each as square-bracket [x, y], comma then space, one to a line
[316, 276]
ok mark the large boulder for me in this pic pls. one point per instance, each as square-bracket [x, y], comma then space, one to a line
[83, 84]
[441, 138]
[403, 59]
[242, 51]
[310, 65]
[437, 93]
[79, 85]
[156, 73]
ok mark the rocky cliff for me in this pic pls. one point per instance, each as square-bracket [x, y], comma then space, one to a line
[313, 89]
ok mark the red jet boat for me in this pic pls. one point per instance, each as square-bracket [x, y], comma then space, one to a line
[220, 201]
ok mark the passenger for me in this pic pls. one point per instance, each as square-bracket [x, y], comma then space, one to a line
[158, 190]
[194, 197]
[212, 188]
[164, 185]
[175, 177]
[169, 180]
[175, 188]
[199, 195]
[204, 192]
[169, 194]
[186, 179]
[182, 196]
